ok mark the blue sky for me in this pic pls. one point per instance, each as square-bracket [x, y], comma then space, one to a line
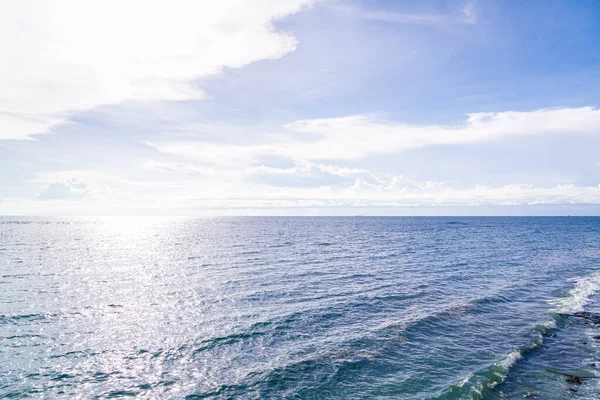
[299, 107]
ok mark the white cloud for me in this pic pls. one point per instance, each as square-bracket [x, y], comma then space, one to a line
[222, 154]
[465, 15]
[360, 136]
[469, 13]
[307, 174]
[68, 190]
[302, 173]
[310, 182]
[363, 194]
[67, 56]
[225, 192]
[389, 193]
[179, 167]
[307, 168]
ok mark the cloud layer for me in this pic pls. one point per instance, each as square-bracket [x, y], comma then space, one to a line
[360, 136]
[172, 112]
[66, 56]
[193, 196]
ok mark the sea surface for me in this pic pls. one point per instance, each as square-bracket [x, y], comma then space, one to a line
[299, 308]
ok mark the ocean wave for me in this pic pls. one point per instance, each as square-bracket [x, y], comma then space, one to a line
[26, 318]
[478, 385]
[585, 287]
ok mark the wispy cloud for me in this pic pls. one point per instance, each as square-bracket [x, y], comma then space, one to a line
[469, 12]
[389, 16]
[360, 136]
[463, 15]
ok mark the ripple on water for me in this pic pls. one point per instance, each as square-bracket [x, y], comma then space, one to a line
[328, 308]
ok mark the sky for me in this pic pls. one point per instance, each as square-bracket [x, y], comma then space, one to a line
[299, 107]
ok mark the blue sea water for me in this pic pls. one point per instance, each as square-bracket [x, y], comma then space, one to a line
[298, 308]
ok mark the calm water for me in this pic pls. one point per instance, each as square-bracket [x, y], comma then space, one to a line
[298, 308]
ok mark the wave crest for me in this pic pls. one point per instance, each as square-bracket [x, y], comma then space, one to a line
[580, 295]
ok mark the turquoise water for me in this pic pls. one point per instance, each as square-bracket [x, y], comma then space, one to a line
[298, 308]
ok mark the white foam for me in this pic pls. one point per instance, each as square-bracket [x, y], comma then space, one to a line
[551, 324]
[510, 360]
[465, 380]
[580, 295]
[505, 364]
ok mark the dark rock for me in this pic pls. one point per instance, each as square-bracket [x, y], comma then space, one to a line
[588, 317]
[529, 395]
[596, 337]
[573, 379]
[570, 389]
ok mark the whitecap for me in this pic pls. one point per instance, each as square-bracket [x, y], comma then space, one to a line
[579, 295]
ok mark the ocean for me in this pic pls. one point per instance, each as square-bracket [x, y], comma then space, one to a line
[299, 308]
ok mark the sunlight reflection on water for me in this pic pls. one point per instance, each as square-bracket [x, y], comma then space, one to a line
[275, 307]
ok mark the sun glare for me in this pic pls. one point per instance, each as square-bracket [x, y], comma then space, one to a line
[132, 225]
